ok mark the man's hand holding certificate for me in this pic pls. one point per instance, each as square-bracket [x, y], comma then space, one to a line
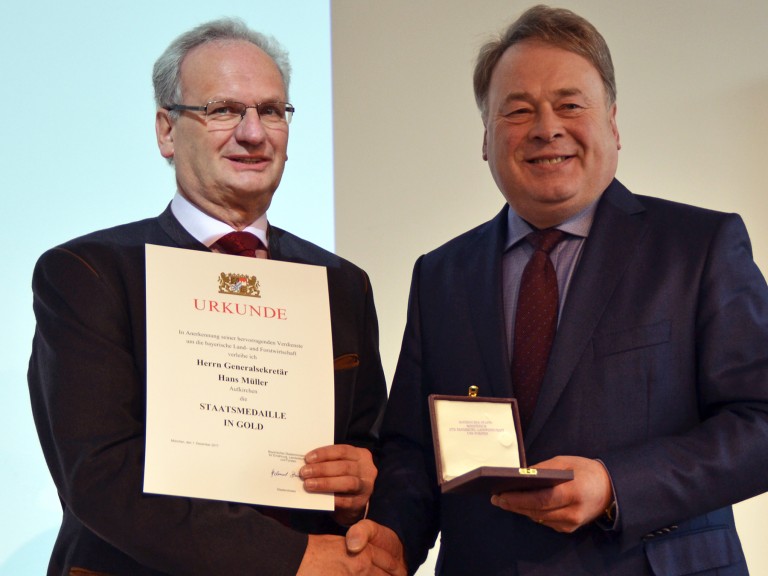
[345, 470]
[240, 381]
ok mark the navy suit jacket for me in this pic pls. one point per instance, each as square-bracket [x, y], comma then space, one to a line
[659, 368]
[87, 379]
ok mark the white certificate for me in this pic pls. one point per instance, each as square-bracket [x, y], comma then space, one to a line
[239, 377]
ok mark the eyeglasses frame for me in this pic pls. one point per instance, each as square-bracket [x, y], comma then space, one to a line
[289, 108]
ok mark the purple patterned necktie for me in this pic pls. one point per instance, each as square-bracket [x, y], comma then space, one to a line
[535, 321]
[242, 244]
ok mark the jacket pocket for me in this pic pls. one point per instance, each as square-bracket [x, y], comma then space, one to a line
[633, 338]
[346, 362]
[694, 552]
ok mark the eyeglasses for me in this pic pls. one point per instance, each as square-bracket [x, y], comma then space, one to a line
[225, 114]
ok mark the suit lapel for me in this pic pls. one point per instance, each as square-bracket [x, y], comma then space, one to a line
[483, 257]
[616, 232]
[276, 248]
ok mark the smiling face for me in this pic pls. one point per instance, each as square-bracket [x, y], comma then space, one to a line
[551, 139]
[229, 174]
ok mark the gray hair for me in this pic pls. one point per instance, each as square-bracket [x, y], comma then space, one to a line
[556, 26]
[166, 74]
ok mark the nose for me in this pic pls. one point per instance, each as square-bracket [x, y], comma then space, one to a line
[547, 125]
[250, 129]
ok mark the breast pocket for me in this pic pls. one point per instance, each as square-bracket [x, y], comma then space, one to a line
[638, 355]
[607, 344]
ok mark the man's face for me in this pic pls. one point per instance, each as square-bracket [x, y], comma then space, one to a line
[229, 174]
[551, 139]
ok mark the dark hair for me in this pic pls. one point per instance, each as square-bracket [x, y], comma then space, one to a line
[556, 26]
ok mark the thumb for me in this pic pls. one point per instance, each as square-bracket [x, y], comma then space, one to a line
[359, 535]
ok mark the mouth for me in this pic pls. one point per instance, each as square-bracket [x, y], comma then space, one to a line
[548, 161]
[248, 160]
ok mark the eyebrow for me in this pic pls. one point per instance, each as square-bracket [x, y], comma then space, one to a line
[528, 97]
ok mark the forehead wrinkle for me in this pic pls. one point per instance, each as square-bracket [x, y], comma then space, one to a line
[518, 96]
[238, 84]
[253, 102]
[563, 92]
[221, 69]
[559, 93]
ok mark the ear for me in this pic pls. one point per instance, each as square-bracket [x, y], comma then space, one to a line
[164, 133]
[614, 126]
[485, 145]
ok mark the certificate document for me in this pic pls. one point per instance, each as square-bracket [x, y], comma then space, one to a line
[239, 377]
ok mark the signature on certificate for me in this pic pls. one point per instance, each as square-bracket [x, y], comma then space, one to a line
[284, 473]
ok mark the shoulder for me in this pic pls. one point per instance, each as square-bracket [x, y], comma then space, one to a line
[681, 212]
[107, 241]
[659, 221]
[689, 227]
[129, 234]
[124, 244]
[660, 211]
[117, 252]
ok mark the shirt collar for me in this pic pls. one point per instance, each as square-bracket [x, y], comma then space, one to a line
[207, 229]
[577, 225]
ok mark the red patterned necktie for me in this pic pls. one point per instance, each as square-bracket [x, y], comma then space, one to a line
[535, 321]
[242, 244]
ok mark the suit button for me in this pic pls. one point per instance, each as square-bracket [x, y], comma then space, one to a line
[660, 532]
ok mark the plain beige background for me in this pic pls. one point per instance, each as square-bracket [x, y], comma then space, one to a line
[693, 116]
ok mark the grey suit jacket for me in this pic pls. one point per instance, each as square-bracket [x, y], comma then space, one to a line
[87, 379]
[659, 368]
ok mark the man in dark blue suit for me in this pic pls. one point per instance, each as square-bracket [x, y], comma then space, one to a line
[655, 393]
[222, 119]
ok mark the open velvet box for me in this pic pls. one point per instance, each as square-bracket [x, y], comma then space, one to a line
[479, 447]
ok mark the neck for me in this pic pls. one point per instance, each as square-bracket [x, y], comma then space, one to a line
[236, 215]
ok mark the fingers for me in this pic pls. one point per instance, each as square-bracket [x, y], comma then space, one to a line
[336, 452]
[359, 535]
[335, 469]
[387, 562]
[544, 507]
[345, 471]
[381, 543]
[377, 552]
[341, 469]
[529, 502]
[568, 506]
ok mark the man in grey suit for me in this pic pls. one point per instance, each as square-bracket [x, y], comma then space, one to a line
[222, 119]
[655, 392]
